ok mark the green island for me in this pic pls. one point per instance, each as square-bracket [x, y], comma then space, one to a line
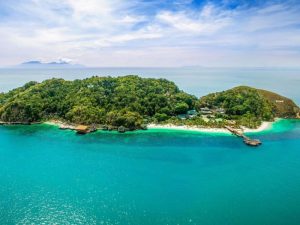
[130, 102]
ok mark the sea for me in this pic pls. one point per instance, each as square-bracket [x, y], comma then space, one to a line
[153, 177]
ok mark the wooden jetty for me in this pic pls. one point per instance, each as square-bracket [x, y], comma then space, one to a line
[247, 140]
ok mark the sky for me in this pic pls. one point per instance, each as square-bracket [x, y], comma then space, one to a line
[151, 33]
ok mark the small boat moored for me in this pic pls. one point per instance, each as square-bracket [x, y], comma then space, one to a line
[82, 129]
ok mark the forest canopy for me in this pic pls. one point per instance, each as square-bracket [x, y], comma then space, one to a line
[132, 101]
[129, 101]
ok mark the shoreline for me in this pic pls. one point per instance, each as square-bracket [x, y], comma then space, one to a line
[187, 128]
[263, 127]
[59, 124]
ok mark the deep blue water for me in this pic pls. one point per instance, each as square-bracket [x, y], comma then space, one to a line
[197, 81]
[49, 176]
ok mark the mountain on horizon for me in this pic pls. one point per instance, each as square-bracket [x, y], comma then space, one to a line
[54, 64]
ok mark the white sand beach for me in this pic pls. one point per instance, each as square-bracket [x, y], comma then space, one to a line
[262, 127]
[190, 128]
[60, 124]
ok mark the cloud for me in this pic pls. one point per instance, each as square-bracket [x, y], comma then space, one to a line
[151, 33]
[273, 16]
[64, 60]
[209, 20]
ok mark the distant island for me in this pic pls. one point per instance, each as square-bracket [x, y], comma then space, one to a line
[130, 102]
[61, 63]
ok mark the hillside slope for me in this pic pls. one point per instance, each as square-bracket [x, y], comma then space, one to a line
[128, 101]
[249, 105]
[283, 107]
[132, 101]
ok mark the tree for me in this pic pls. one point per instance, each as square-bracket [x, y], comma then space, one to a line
[161, 117]
[181, 108]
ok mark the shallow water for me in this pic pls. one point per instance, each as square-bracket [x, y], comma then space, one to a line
[49, 176]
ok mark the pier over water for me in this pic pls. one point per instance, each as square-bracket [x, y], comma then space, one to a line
[247, 140]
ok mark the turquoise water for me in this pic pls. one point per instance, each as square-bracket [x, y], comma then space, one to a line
[49, 176]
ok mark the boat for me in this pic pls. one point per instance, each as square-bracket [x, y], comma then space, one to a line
[82, 129]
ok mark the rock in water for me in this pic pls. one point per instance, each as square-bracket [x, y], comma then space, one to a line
[121, 129]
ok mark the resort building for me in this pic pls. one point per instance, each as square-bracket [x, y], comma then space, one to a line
[192, 113]
[182, 116]
[205, 111]
[220, 110]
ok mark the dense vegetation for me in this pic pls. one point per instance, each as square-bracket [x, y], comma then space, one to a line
[282, 106]
[249, 106]
[131, 101]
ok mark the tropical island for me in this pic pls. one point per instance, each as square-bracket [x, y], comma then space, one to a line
[130, 102]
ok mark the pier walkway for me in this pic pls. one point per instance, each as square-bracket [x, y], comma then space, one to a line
[247, 140]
